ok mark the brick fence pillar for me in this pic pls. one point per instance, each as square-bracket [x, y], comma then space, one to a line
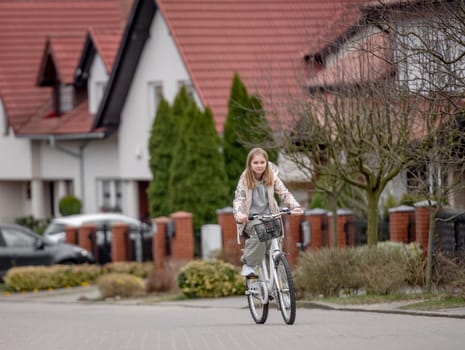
[230, 247]
[344, 223]
[422, 214]
[87, 238]
[317, 219]
[120, 242]
[71, 235]
[399, 222]
[159, 242]
[292, 238]
[182, 244]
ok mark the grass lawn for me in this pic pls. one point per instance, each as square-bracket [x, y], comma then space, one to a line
[437, 302]
[419, 301]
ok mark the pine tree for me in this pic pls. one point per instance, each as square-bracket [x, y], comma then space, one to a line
[198, 175]
[161, 150]
[245, 127]
[178, 142]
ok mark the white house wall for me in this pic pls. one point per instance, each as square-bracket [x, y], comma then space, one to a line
[15, 172]
[15, 154]
[101, 162]
[98, 75]
[13, 200]
[160, 62]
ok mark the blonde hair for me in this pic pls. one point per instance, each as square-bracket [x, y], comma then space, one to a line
[268, 176]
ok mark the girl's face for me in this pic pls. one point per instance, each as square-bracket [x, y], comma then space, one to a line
[258, 165]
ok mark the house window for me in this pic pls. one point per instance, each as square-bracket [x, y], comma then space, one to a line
[188, 85]
[111, 196]
[155, 94]
[66, 98]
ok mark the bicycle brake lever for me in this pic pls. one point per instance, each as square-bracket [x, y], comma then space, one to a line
[286, 210]
[252, 216]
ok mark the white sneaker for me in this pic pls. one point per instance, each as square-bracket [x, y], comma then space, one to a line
[248, 271]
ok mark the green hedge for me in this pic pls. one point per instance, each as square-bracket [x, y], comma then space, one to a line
[210, 278]
[28, 278]
[120, 285]
[382, 269]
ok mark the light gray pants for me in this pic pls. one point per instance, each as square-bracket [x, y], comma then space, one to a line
[254, 250]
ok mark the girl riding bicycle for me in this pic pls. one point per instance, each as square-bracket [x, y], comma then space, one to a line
[255, 195]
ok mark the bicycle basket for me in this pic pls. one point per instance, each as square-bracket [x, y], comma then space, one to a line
[269, 229]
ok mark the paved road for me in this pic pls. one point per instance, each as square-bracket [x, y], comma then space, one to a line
[26, 324]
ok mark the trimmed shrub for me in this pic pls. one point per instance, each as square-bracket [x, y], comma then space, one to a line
[450, 274]
[381, 269]
[210, 278]
[160, 280]
[27, 278]
[69, 205]
[37, 225]
[134, 268]
[327, 272]
[120, 285]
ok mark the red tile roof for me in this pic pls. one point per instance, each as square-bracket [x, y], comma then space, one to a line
[263, 40]
[107, 44]
[367, 62]
[65, 50]
[24, 27]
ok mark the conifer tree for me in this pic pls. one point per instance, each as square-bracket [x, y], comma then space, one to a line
[161, 150]
[245, 127]
[198, 176]
[178, 142]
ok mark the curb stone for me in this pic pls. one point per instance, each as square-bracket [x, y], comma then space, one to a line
[91, 295]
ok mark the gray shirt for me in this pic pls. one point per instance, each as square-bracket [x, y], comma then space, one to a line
[260, 203]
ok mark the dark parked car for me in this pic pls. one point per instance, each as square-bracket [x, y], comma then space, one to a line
[19, 246]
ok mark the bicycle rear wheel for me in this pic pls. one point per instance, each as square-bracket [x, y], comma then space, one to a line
[286, 290]
[257, 298]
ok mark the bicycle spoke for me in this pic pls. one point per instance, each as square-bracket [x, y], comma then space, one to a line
[256, 295]
[286, 291]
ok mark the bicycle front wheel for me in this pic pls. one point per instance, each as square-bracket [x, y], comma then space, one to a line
[286, 290]
[257, 298]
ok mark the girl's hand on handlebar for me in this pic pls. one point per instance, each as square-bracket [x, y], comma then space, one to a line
[297, 211]
[242, 218]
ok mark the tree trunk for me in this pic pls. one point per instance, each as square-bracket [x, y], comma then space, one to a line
[333, 205]
[372, 218]
[429, 250]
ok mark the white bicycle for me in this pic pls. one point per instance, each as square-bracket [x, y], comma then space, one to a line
[274, 279]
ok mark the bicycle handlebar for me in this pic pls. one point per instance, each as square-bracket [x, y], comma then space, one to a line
[283, 211]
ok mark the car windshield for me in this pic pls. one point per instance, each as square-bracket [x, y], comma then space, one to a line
[54, 228]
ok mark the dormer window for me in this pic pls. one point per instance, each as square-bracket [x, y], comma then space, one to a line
[63, 99]
[66, 98]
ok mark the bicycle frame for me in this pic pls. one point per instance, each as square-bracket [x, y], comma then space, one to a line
[274, 282]
[267, 272]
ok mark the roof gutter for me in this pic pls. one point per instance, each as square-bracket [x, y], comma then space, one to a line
[64, 137]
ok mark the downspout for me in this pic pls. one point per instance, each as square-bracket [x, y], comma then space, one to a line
[79, 155]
